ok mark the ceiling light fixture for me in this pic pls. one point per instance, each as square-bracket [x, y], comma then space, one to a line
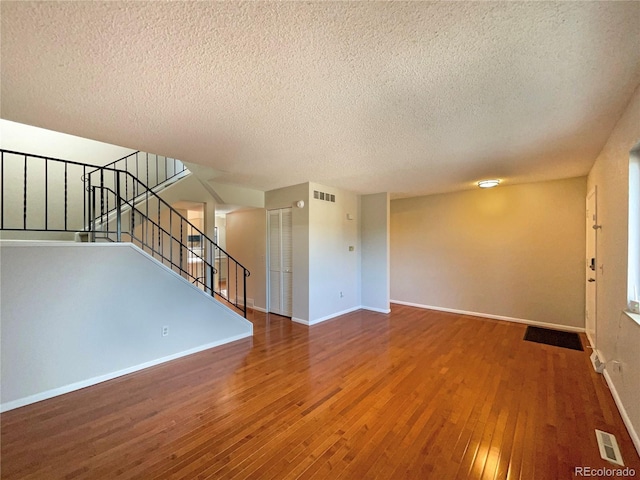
[488, 183]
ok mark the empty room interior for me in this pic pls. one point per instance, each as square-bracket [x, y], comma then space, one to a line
[329, 240]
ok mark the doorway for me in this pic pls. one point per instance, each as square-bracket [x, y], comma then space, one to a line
[279, 268]
[591, 268]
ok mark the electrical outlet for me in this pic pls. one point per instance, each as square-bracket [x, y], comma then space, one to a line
[165, 330]
[616, 366]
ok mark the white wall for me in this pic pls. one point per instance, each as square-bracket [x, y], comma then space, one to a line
[375, 255]
[332, 267]
[221, 224]
[617, 335]
[39, 141]
[25, 138]
[323, 265]
[14, 197]
[76, 314]
[236, 195]
[285, 198]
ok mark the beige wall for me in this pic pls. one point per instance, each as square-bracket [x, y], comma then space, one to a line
[513, 251]
[617, 335]
[374, 251]
[247, 236]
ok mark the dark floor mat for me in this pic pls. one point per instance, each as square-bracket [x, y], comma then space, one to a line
[553, 337]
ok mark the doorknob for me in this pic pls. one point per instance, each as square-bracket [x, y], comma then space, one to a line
[592, 280]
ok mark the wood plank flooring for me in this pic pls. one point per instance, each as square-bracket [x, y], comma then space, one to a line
[414, 394]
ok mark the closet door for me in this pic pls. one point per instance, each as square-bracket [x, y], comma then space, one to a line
[280, 261]
[287, 262]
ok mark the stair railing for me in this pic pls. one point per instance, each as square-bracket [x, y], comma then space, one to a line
[120, 205]
[106, 204]
[151, 169]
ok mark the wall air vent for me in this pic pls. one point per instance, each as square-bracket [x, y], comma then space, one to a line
[608, 446]
[327, 197]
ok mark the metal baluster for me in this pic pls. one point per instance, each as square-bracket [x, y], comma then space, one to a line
[93, 216]
[105, 215]
[146, 238]
[46, 195]
[84, 204]
[244, 290]
[157, 177]
[236, 283]
[2, 190]
[24, 213]
[66, 188]
[219, 268]
[213, 273]
[101, 194]
[88, 202]
[133, 213]
[118, 209]
[159, 223]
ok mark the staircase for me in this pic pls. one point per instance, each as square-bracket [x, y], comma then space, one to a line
[119, 202]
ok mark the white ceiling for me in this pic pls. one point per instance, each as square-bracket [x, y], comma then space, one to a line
[411, 98]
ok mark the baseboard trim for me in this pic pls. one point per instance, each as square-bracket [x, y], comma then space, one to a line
[378, 310]
[493, 317]
[38, 397]
[252, 306]
[623, 412]
[334, 315]
[328, 317]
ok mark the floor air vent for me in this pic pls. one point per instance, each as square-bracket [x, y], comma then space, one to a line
[609, 447]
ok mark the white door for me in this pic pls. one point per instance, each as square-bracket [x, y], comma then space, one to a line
[591, 268]
[280, 261]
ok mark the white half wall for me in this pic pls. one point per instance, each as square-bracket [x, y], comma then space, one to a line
[374, 238]
[73, 315]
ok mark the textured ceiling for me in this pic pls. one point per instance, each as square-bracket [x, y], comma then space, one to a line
[410, 98]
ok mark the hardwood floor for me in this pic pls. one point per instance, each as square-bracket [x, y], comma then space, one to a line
[414, 394]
